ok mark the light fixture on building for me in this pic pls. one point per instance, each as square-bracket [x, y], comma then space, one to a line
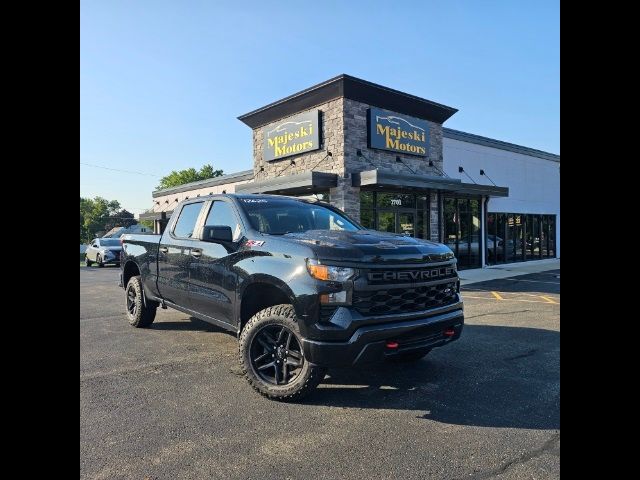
[441, 172]
[329, 154]
[483, 173]
[292, 163]
[461, 170]
[360, 154]
[399, 160]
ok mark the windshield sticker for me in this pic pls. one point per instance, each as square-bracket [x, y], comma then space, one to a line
[254, 200]
[254, 243]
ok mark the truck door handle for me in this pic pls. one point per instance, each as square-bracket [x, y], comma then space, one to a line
[164, 249]
[196, 252]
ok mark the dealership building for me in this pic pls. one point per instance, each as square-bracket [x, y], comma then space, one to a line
[385, 158]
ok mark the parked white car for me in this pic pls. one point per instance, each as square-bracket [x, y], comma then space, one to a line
[102, 251]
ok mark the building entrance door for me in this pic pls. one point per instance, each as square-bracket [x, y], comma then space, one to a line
[397, 221]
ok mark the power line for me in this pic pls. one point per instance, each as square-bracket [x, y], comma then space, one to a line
[118, 170]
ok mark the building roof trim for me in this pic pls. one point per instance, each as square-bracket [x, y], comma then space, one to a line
[210, 182]
[355, 89]
[491, 142]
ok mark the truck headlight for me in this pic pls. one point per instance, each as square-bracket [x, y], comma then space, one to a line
[329, 272]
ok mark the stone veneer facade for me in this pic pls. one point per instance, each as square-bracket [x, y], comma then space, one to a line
[344, 131]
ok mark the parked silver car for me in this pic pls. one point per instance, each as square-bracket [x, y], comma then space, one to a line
[102, 251]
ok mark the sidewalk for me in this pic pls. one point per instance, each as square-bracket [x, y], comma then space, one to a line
[507, 270]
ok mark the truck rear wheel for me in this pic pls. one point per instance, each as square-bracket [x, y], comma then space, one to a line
[138, 314]
[272, 358]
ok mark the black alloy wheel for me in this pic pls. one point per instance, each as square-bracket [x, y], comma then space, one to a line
[132, 304]
[276, 355]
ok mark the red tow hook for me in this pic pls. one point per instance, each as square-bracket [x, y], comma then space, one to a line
[391, 344]
[449, 332]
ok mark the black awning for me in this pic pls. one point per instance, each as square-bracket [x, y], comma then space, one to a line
[306, 182]
[394, 180]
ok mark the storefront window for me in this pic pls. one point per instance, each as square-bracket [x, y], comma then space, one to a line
[366, 200]
[529, 236]
[514, 229]
[499, 243]
[491, 235]
[366, 219]
[462, 230]
[395, 212]
[386, 222]
[450, 213]
[552, 236]
[396, 200]
[474, 229]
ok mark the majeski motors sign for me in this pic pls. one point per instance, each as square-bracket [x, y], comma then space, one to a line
[398, 133]
[292, 136]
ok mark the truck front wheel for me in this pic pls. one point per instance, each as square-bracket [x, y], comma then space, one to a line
[139, 314]
[272, 358]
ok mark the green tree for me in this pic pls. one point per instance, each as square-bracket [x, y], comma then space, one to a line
[121, 218]
[188, 175]
[94, 214]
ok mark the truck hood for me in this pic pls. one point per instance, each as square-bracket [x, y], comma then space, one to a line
[370, 246]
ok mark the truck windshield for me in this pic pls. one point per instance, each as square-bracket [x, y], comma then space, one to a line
[281, 216]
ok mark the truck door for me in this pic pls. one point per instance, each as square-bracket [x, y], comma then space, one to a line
[175, 254]
[213, 279]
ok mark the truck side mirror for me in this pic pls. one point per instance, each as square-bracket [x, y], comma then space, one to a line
[216, 234]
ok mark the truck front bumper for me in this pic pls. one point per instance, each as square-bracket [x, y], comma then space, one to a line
[371, 343]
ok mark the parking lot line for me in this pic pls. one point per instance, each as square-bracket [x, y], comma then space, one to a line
[548, 299]
[497, 295]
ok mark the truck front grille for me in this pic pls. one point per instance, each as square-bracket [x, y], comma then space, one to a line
[404, 300]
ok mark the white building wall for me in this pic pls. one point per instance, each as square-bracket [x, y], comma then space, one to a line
[168, 202]
[534, 183]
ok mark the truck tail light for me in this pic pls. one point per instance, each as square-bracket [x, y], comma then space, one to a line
[392, 345]
[449, 332]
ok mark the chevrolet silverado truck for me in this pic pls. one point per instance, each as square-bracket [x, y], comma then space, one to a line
[303, 286]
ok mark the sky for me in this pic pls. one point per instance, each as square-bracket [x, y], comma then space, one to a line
[163, 82]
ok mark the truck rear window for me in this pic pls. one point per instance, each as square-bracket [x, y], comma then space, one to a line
[278, 217]
[187, 220]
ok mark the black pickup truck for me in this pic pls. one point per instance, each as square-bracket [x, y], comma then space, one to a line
[302, 285]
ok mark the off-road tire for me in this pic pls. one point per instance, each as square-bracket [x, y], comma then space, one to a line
[408, 357]
[141, 315]
[306, 380]
[87, 262]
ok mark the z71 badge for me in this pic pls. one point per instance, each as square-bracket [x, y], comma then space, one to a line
[254, 243]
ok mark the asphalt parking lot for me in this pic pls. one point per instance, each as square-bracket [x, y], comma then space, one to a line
[168, 402]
